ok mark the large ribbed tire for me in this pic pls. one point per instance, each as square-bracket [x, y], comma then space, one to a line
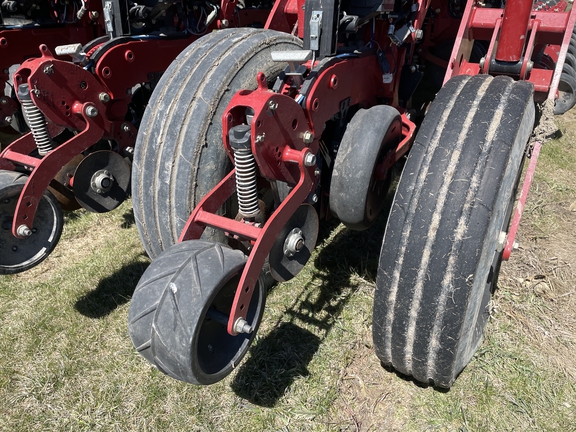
[443, 242]
[179, 156]
[356, 194]
[189, 340]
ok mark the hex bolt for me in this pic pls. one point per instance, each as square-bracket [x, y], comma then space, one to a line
[308, 137]
[419, 35]
[481, 64]
[314, 198]
[23, 231]
[272, 106]
[260, 138]
[224, 23]
[104, 97]
[91, 111]
[310, 159]
[4, 101]
[49, 69]
[125, 127]
[242, 326]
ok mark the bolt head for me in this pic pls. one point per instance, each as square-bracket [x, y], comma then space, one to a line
[308, 137]
[125, 127]
[4, 101]
[310, 159]
[272, 105]
[104, 97]
[91, 111]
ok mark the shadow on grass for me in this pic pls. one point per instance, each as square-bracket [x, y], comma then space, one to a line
[111, 292]
[279, 358]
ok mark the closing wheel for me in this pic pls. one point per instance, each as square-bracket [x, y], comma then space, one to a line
[101, 181]
[179, 156]
[443, 242]
[20, 254]
[197, 281]
[356, 193]
[566, 94]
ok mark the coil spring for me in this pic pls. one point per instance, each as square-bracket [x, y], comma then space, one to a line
[37, 124]
[246, 182]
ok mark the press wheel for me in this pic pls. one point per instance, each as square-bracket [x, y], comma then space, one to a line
[189, 341]
[20, 254]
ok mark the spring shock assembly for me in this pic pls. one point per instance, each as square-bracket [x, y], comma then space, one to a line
[35, 120]
[246, 187]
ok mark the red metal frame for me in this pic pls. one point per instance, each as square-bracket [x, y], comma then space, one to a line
[277, 134]
[64, 92]
[279, 149]
[18, 44]
[511, 237]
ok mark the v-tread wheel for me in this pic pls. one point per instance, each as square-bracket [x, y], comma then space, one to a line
[441, 250]
[189, 339]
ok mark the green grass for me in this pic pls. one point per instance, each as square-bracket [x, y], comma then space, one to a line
[67, 363]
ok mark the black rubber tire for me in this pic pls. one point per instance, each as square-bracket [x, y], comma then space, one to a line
[186, 344]
[46, 232]
[441, 249]
[572, 49]
[148, 292]
[567, 69]
[179, 156]
[570, 60]
[566, 94]
[356, 197]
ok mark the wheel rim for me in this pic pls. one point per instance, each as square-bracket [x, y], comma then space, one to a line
[215, 348]
[378, 188]
[22, 254]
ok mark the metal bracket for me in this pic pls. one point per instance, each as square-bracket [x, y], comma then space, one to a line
[315, 30]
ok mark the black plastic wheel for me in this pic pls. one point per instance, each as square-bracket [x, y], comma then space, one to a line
[179, 156]
[443, 242]
[356, 195]
[189, 340]
[566, 94]
[18, 255]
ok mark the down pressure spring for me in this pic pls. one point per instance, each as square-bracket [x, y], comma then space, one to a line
[245, 171]
[35, 120]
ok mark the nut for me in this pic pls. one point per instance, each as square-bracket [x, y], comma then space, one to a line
[310, 159]
[308, 137]
[24, 231]
[91, 111]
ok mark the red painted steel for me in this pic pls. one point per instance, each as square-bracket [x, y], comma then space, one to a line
[514, 30]
[511, 237]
